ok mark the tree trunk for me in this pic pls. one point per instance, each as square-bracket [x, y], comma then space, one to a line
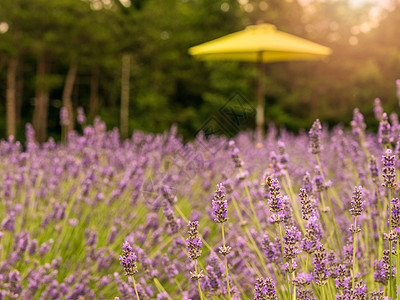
[19, 92]
[94, 94]
[11, 95]
[125, 78]
[40, 111]
[67, 93]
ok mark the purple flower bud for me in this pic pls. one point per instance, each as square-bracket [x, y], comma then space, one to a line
[193, 247]
[389, 171]
[357, 124]
[384, 133]
[378, 110]
[64, 119]
[9, 221]
[128, 259]
[235, 154]
[220, 205]
[275, 200]
[291, 244]
[357, 204]
[315, 135]
[265, 289]
[81, 118]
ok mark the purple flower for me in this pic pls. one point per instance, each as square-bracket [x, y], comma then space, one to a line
[315, 134]
[162, 296]
[64, 120]
[357, 124]
[378, 110]
[398, 88]
[373, 169]
[235, 154]
[312, 235]
[290, 243]
[320, 262]
[342, 280]
[395, 213]
[384, 133]
[128, 259]
[172, 223]
[389, 172]
[193, 242]
[357, 204]
[169, 195]
[265, 289]
[81, 118]
[193, 247]
[220, 205]
[275, 200]
[170, 267]
[307, 184]
[272, 250]
[319, 180]
[193, 226]
[284, 157]
[360, 291]
[306, 208]
[382, 272]
[9, 221]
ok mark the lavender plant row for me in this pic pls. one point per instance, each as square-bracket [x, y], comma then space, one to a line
[308, 216]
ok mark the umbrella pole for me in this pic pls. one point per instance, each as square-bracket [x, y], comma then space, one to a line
[260, 98]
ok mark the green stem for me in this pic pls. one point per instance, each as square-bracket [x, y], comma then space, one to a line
[390, 243]
[260, 256]
[161, 288]
[287, 185]
[397, 269]
[331, 209]
[255, 219]
[292, 286]
[381, 223]
[209, 248]
[134, 286]
[202, 239]
[226, 263]
[334, 223]
[284, 260]
[322, 292]
[197, 279]
[354, 252]
[178, 285]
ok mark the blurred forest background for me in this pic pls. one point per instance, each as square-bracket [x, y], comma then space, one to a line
[73, 53]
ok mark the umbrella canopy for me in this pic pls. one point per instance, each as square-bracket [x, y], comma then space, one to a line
[260, 43]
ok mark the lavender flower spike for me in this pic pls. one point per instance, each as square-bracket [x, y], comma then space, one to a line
[384, 133]
[128, 262]
[81, 118]
[220, 205]
[265, 289]
[378, 110]
[235, 154]
[193, 248]
[193, 242]
[389, 172]
[315, 134]
[128, 259]
[64, 118]
[306, 207]
[357, 204]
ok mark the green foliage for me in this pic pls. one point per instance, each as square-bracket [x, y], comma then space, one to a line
[169, 86]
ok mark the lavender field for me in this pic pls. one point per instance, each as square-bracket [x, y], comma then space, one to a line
[308, 216]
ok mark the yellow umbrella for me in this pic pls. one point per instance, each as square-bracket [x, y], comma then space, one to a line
[260, 43]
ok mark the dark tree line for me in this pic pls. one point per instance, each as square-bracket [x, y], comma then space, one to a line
[127, 61]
